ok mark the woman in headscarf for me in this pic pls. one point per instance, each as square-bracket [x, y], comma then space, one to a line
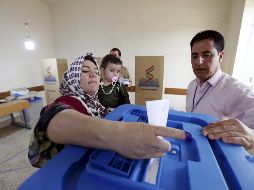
[75, 118]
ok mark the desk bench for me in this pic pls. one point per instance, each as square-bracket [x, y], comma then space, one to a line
[15, 106]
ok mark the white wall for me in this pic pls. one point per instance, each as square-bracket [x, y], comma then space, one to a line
[243, 68]
[138, 27]
[20, 67]
[232, 34]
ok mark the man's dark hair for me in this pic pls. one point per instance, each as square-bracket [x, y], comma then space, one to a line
[217, 38]
[110, 59]
[118, 50]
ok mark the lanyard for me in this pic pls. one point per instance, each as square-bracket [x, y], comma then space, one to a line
[193, 101]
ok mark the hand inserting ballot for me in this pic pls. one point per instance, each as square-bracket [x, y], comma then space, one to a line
[144, 142]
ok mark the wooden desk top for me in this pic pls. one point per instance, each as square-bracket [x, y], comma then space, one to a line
[13, 106]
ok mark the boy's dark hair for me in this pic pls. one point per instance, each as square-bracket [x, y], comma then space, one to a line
[90, 58]
[110, 59]
[217, 38]
[118, 50]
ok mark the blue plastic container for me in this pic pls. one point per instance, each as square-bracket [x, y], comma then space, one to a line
[196, 165]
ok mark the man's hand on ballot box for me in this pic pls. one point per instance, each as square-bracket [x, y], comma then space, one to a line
[230, 131]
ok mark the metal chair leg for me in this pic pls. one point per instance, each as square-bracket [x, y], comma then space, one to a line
[25, 120]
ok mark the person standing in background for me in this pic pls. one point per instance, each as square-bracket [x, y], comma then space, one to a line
[124, 73]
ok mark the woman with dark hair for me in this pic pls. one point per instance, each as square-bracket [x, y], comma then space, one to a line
[75, 118]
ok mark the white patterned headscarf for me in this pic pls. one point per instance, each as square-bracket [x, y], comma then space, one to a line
[70, 86]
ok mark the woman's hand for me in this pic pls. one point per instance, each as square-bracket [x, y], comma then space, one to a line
[140, 140]
[230, 131]
[133, 140]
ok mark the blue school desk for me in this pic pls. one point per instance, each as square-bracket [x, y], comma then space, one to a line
[197, 165]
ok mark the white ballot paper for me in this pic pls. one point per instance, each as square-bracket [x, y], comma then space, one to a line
[157, 112]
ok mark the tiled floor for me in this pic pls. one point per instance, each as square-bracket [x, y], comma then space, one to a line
[14, 165]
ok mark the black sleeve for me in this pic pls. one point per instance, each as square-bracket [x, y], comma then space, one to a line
[123, 95]
[41, 149]
[47, 113]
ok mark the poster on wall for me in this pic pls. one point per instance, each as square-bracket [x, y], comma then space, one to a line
[49, 78]
[149, 82]
[149, 72]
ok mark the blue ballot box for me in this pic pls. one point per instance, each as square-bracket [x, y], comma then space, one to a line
[197, 165]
